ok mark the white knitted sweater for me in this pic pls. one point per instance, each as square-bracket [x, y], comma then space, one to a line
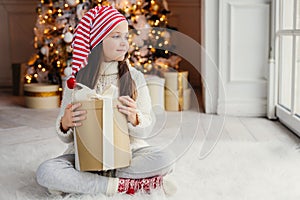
[145, 115]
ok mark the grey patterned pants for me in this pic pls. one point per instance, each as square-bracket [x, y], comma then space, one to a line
[60, 173]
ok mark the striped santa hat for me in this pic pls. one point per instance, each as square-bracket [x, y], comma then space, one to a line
[95, 25]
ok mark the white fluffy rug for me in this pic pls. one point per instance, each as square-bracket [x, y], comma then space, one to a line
[233, 170]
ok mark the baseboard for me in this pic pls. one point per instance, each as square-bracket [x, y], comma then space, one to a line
[246, 108]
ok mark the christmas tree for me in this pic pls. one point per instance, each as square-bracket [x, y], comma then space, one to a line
[57, 20]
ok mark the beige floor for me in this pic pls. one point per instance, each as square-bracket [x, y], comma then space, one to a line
[14, 115]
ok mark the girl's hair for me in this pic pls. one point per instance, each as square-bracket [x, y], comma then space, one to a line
[89, 75]
[127, 85]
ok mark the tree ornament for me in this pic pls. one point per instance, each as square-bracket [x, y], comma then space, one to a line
[45, 50]
[165, 4]
[155, 7]
[148, 67]
[144, 51]
[32, 60]
[166, 35]
[138, 41]
[69, 48]
[71, 3]
[42, 76]
[30, 70]
[68, 37]
[82, 9]
[144, 33]
[141, 22]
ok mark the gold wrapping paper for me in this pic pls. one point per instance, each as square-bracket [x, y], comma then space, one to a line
[172, 100]
[89, 138]
[180, 91]
[171, 80]
[41, 94]
[176, 87]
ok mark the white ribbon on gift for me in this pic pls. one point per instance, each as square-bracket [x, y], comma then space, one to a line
[107, 96]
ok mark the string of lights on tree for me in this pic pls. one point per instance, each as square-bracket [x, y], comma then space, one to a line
[57, 20]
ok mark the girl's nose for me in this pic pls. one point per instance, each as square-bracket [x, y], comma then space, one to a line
[124, 42]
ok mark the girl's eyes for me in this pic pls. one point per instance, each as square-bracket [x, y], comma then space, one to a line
[119, 36]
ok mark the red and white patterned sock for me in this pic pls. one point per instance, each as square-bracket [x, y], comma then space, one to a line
[131, 186]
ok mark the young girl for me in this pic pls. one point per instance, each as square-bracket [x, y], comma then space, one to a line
[99, 60]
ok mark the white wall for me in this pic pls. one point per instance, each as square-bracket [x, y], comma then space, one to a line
[17, 19]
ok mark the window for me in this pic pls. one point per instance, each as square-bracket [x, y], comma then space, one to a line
[288, 62]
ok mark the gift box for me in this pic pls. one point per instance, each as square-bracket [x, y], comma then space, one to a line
[176, 80]
[156, 87]
[102, 142]
[177, 100]
[177, 92]
[42, 96]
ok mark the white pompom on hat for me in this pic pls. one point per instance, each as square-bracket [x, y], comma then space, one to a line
[95, 25]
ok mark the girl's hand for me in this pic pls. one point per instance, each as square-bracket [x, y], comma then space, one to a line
[128, 108]
[72, 117]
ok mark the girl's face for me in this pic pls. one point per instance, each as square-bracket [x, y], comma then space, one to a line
[115, 45]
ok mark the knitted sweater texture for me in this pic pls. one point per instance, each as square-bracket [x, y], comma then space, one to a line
[144, 108]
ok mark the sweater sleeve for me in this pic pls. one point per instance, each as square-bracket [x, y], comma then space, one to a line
[66, 137]
[145, 114]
